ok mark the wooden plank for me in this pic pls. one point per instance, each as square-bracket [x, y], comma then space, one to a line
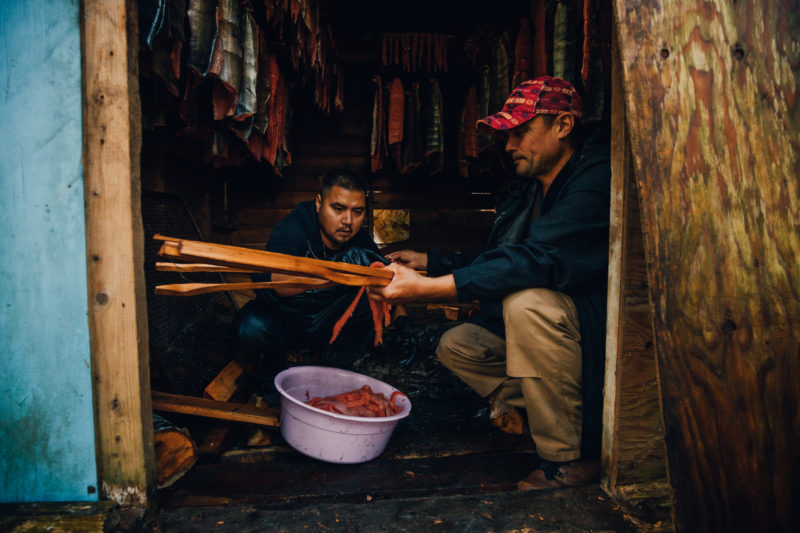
[115, 251]
[713, 87]
[75, 517]
[633, 443]
[225, 384]
[234, 412]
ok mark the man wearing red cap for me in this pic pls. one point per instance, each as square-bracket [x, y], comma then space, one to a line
[538, 343]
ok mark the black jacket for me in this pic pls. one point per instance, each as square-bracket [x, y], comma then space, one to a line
[316, 310]
[565, 249]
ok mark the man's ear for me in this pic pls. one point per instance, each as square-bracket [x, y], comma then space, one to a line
[318, 201]
[565, 123]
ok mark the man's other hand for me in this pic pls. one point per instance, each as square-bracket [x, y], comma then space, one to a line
[409, 258]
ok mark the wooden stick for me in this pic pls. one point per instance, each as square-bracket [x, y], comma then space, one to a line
[193, 289]
[235, 412]
[201, 267]
[238, 257]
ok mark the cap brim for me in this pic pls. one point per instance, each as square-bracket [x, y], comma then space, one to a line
[500, 122]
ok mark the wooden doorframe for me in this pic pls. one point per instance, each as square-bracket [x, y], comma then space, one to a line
[117, 318]
[633, 449]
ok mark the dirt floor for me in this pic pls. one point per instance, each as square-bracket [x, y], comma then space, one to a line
[445, 469]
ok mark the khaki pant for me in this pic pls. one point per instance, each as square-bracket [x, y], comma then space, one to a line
[537, 367]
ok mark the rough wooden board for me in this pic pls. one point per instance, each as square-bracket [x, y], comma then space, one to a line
[566, 510]
[77, 517]
[115, 250]
[633, 441]
[712, 89]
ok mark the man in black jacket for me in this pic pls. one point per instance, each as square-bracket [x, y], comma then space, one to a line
[281, 319]
[538, 344]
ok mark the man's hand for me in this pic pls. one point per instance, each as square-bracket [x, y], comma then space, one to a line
[408, 286]
[409, 258]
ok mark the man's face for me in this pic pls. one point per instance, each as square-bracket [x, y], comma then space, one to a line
[340, 214]
[535, 147]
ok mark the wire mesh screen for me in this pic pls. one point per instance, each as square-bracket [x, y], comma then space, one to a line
[190, 337]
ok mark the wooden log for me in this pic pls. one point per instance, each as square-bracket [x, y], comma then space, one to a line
[175, 451]
[216, 442]
[247, 414]
[711, 89]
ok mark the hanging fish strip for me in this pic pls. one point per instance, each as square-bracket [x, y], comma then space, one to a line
[522, 53]
[588, 36]
[564, 44]
[540, 39]
[412, 138]
[201, 15]
[498, 75]
[377, 149]
[434, 128]
[415, 51]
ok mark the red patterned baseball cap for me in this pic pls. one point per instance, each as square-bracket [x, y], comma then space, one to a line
[540, 96]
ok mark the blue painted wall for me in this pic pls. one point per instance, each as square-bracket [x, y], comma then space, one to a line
[47, 446]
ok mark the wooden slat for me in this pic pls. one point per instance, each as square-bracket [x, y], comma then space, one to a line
[233, 412]
[115, 252]
[193, 289]
[199, 267]
[716, 153]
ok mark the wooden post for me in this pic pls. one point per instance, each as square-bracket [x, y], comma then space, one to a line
[633, 439]
[115, 251]
[711, 94]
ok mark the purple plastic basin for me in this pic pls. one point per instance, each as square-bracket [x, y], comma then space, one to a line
[327, 436]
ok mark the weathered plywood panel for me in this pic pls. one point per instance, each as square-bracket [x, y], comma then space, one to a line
[46, 419]
[711, 89]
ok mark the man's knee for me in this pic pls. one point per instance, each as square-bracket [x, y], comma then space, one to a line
[469, 343]
[545, 307]
[448, 347]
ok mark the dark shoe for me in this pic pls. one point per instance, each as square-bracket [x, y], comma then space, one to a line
[553, 475]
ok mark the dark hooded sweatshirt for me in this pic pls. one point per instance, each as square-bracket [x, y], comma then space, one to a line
[564, 249]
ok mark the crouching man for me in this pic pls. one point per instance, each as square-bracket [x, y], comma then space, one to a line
[538, 346]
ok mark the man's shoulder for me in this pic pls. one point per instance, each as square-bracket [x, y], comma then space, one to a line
[294, 229]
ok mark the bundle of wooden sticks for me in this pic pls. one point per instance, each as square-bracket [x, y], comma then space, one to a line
[307, 273]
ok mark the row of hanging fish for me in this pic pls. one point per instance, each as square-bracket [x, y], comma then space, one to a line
[194, 43]
[407, 127]
[415, 51]
[531, 54]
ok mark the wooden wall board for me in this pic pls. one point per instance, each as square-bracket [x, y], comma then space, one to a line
[633, 441]
[115, 252]
[712, 91]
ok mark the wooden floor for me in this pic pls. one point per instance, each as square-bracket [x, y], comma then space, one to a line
[445, 469]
